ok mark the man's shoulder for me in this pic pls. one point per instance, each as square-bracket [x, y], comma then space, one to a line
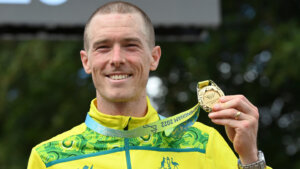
[55, 148]
[204, 128]
[209, 131]
[74, 131]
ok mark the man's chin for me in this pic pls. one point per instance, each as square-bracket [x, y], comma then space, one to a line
[119, 99]
[117, 96]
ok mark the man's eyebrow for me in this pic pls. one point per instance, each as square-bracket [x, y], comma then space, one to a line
[132, 40]
[105, 41]
[98, 42]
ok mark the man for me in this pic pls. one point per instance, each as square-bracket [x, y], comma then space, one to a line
[119, 52]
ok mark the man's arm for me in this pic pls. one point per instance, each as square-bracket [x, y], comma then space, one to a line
[240, 118]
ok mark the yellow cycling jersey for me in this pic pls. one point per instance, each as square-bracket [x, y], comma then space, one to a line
[200, 147]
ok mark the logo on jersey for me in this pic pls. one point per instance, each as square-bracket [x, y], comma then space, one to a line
[168, 163]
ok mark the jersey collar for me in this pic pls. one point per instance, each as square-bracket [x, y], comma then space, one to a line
[120, 122]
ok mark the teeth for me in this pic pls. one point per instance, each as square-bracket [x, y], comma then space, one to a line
[119, 77]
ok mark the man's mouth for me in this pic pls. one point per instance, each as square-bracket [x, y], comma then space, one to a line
[119, 77]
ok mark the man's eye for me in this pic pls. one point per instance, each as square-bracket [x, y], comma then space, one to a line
[102, 47]
[131, 45]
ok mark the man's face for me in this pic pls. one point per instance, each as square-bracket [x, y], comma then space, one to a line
[119, 57]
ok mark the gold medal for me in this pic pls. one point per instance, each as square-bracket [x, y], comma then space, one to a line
[208, 94]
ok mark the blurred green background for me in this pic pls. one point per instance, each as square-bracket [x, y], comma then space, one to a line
[255, 52]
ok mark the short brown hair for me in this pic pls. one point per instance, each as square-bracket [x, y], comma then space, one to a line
[123, 8]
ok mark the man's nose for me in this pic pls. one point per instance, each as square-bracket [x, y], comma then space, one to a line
[117, 57]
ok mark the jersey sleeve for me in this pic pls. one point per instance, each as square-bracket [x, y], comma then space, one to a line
[35, 161]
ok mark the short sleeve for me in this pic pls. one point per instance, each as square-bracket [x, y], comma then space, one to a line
[35, 161]
[219, 152]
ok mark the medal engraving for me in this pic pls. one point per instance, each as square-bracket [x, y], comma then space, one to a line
[208, 96]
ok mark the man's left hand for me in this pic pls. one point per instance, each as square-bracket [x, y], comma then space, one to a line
[240, 118]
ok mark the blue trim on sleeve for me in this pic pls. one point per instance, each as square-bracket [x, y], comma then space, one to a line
[84, 156]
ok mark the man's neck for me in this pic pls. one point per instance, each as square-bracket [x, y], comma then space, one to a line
[134, 108]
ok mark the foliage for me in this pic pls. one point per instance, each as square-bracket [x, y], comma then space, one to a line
[41, 83]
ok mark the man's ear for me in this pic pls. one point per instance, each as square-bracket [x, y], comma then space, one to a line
[156, 53]
[85, 61]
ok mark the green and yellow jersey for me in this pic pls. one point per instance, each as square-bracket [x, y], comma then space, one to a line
[201, 147]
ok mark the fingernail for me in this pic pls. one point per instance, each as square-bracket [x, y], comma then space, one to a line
[217, 106]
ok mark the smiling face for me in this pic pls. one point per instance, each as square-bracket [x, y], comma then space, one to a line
[119, 56]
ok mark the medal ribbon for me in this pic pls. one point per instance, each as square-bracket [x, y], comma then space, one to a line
[174, 125]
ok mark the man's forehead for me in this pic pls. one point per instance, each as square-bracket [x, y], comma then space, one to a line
[103, 23]
[117, 20]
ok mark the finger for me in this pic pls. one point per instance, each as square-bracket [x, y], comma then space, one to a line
[232, 123]
[228, 114]
[237, 103]
[227, 122]
[243, 126]
[231, 97]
